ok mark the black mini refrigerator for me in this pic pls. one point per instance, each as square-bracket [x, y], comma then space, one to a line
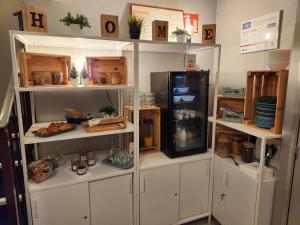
[183, 98]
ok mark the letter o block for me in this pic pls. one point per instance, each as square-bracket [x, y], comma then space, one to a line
[160, 30]
[110, 26]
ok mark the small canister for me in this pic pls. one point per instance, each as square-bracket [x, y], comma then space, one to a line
[236, 145]
[247, 152]
[223, 147]
[75, 162]
[91, 159]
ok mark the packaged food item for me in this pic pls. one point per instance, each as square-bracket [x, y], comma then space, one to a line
[40, 170]
[223, 147]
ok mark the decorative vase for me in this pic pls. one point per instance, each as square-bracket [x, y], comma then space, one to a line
[181, 38]
[135, 32]
[75, 29]
[74, 82]
[85, 82]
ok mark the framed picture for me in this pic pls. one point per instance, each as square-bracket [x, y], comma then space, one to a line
[174, 17]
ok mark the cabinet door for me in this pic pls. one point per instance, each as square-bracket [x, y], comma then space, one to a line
[111, 201]
[194, 185]
[240, 198]
[219, 191]
[66, 205]
[159, 196]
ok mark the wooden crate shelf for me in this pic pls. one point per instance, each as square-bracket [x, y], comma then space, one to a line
[107, 65]
[237, 104]
[149, 112]
[36, 62]
[266, 83]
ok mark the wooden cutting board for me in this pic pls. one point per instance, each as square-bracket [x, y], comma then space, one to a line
[106, 127]
[107, 121]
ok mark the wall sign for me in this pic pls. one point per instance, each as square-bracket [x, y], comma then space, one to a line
[150, 13]
[160, 30]
[191, 22]
[261, 33]
[109, 26]
[209, 34]
[32, 18]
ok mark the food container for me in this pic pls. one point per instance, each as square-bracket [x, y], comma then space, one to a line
[38, 78]
[75, 162]
[182, 90]
[223, 147]
[192, 114]
[47, 78]
[57, 78]
[247, 152]
[115, 78]
[177, 98]
[187, 98]
[82, 168]
[83, 156]
[91, 159]
[40, 170]
[101, 77]
[236, 145]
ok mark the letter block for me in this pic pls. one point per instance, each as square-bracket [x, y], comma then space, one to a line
[109, 26]
[209, 34]
[32, 18]
[160, 30]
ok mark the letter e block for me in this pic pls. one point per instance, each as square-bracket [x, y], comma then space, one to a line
[209, 34]
[160, 30]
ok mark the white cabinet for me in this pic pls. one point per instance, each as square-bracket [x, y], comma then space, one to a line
[66, 205]
[194, 188]
[159, 195]
[235, 196]
[111, 201]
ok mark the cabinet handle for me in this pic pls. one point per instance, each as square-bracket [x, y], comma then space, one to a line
[34, 209]
[225, 179]
[222, 196]
[142, 185]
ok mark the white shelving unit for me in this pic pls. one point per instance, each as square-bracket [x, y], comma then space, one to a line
[63, 176]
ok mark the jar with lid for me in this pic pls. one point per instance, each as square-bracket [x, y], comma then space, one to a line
[236, 145]
[247, 152]
[223, 147]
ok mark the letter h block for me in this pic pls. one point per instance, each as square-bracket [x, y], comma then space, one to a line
[160, 30]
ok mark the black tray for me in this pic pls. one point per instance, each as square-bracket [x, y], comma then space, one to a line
[56, 133]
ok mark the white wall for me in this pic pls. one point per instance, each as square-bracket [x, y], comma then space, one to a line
[230, 15]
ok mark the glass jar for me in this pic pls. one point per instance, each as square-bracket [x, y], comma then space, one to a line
[223, 147]
[75, 162]
[116, 78]
[247, 152]
[82, 168]
[91, 159]
[236, 145]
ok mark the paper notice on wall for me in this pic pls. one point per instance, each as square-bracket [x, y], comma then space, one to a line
[260, 34]
[191, 23]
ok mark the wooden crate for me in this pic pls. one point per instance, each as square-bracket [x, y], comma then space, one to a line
[266, 83]
[149, 112]
[31, 62]
[107, 65]
[235, 103]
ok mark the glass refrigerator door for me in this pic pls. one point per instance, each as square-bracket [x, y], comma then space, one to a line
[189, 106]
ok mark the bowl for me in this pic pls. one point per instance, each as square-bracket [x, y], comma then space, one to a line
[182, 90]
[177, 98]
[188, 98]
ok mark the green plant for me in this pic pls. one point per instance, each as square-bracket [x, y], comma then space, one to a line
[108, 110]
[135, 22]
[179, 31]
[73, 72]
[81, 20]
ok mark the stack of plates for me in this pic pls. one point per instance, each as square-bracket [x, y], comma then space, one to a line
[265, 111]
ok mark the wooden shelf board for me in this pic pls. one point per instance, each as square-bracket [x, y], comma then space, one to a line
[249, 130]
[231, 97]
[64, 176]
[149, 161]
[78, 133]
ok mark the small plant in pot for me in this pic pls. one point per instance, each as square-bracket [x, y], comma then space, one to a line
[135, 26]
[180, 34]
[74, 76]
[108, 111]
[84, 77]
[76, 23]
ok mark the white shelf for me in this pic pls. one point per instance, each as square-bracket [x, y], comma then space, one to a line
[78, 133]
[249, 130]
[64, 176]
[70, 88]
[159, 159]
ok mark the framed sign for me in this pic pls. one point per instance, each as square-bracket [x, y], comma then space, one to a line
[261, 33]
[174, 17]
[191, 22]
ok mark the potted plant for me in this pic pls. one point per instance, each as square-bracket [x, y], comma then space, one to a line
[74, 76]
[84, 77]
[76, 23]
[108, 111]
[135, 26]
[180, 34]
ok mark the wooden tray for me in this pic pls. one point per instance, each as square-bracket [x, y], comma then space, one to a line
[54, 133]
[106, 127]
